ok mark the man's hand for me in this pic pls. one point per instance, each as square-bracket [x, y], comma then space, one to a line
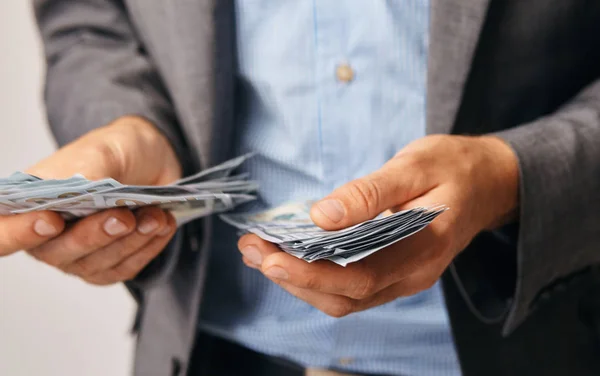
[113, 245]
[477, 177]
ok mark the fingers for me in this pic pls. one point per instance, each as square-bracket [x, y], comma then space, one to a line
[149, 222]
[340, 306]
[398, 181]
[423, 253]
[25, 231]
[357, 280]
[330, 304]
[130, 267]
[110, 246]
[86, 236]
[407, 287]
[255, 250]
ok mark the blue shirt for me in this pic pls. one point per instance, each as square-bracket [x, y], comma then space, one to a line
[314, 127]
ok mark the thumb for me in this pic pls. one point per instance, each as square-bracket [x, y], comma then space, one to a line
[365, 198]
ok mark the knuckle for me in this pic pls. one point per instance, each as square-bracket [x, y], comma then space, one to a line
[422, 285]
[36, 254]
[415, 161]
[14, 240]
[244, 240]
[122, 250]
[97, 281]
[109, 154]
[466, 165]
[368, 193]
[82, 268]
[5, 251]
[130, 274]
[420, 167]
[107, 277]
[80, 238]
[468, 168]
[126, 271]
[46, 257]
[342, 308]
[365, 285]
[436, 141]
[312, 282]
[116, 275]
[429, 283]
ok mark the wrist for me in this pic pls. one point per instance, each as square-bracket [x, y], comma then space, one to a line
[145, 134]
[502, 181]
[130, 150]
[133, 144]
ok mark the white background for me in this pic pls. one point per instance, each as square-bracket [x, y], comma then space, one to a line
[50, 324]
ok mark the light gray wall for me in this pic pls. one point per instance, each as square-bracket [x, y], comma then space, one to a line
[50, 324]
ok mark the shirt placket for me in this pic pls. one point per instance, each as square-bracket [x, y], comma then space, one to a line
[333, 74]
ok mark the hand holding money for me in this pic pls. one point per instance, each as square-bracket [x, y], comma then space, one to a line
[476, 177]
[112, 245]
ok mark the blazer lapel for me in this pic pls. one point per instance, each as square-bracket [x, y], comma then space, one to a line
[198, 47]
[455, 26]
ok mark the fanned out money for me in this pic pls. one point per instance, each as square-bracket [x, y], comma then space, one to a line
[213, 190]
[290, 227]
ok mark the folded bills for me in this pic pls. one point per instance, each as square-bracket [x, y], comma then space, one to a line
[290, 227]
[213, 190]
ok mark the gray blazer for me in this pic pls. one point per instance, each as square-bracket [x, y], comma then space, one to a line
[524, 300]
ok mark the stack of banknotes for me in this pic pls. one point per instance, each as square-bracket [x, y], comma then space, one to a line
[216, 190]
[213, 190]
[290, 227]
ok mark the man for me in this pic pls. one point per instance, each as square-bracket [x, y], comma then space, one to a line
[333, 97]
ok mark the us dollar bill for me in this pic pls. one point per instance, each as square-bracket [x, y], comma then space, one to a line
[289, 226]
[214, 190]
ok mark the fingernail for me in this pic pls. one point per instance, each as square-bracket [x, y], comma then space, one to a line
[165, 231]
[43, 228]
[253, 254]
[332, 209]
[276, 272]
[147, 225]
[114, 227]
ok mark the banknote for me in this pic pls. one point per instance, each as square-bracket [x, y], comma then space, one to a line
[214, 190]
[217, 172]
[9, 188]
[18, 178]
[42, 196]
[289, 226]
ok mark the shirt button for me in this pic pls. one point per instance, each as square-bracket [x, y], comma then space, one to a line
[345, 361]
[344, 73]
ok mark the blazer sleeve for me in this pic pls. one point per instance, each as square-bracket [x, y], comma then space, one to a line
[557, 237]
[98, 71]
